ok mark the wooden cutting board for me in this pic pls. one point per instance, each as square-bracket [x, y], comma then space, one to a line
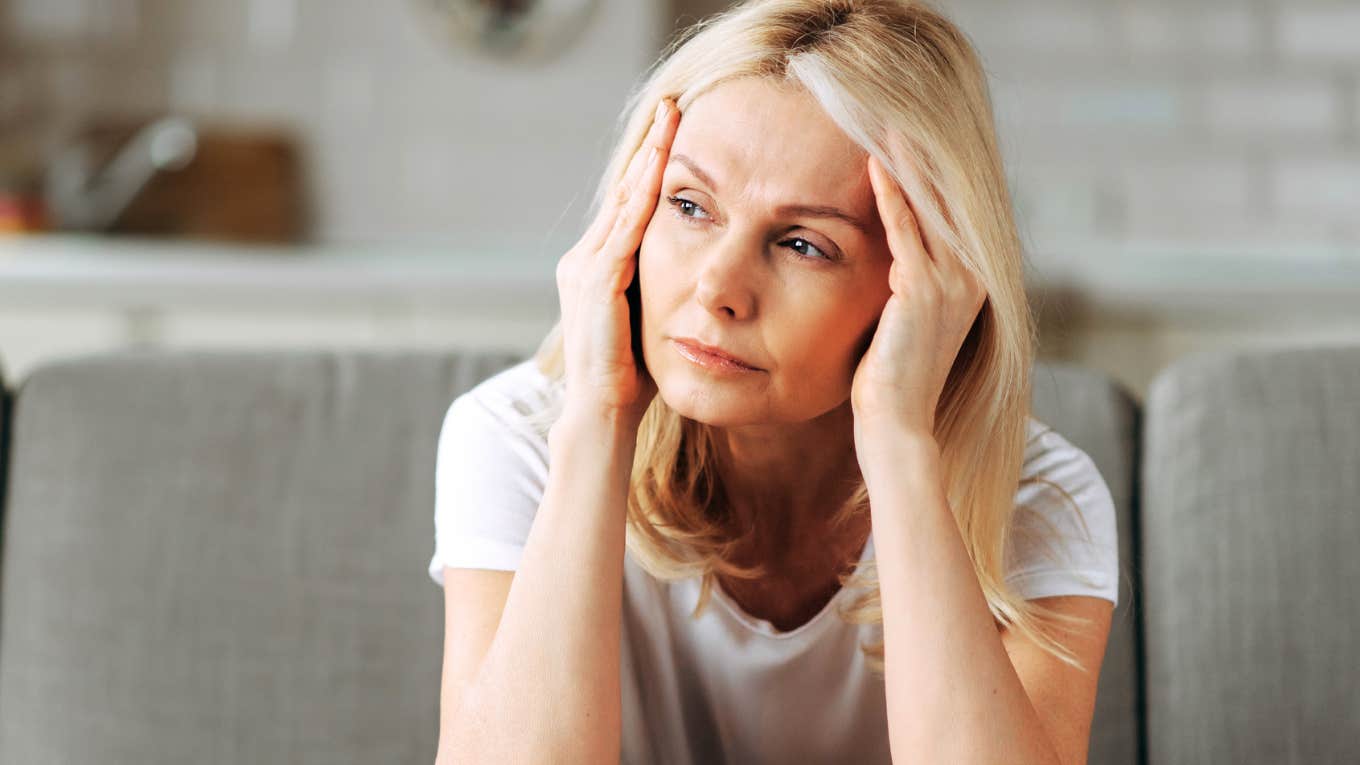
[244, 184]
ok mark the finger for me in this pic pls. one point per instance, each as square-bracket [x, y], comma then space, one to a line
[624, 238]
[642, 181]
[977, 289]
[604, 220]
[919, 198]
[941, 253]
[899, 222]
[660, 131]
[659, 135]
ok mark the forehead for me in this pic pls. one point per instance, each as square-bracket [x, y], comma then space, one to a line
[759, 137]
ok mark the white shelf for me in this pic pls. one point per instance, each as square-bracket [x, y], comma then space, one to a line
[1171, 282]
[148, 273]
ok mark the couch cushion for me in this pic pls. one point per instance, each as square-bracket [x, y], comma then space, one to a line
[331, 455]
[1100, 417]
[220, 557]
[1251, 521]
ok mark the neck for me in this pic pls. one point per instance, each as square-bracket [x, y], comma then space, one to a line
[784, 482]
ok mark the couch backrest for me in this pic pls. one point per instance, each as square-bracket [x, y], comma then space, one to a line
[1251, 522]
[1101, 418]
[5, 400]
[222, 555]
[220, 558]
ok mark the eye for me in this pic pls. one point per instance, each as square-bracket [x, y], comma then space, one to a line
[680, 204]
[799, 240]
[681, 208]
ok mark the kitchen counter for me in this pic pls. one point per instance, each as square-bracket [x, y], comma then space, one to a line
[93, 270]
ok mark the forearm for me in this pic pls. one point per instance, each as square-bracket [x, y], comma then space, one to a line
[548, 688]
[952, 693]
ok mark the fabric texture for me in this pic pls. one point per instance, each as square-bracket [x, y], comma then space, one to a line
[1250, 530]
[208, 558]
[698, 690]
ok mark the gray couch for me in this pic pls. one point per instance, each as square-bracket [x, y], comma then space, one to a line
[219, 557]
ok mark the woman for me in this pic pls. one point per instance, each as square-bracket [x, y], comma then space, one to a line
[792, 366]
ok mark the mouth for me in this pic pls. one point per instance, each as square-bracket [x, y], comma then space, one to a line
[710, 358]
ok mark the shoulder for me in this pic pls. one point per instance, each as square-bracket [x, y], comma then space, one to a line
[491, 468]
[519, 398]
[1054, 464]
[1064, 518]
[499, 428]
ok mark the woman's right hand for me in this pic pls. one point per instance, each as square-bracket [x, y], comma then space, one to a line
[605, 375]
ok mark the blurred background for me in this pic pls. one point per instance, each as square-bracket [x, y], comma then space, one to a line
[301, 173]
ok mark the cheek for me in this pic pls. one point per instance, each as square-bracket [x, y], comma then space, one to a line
[850, 331]
[658, 276]
[818, 335]
[658, 260]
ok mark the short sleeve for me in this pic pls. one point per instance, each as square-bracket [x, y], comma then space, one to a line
[1064, 535]
[490, 473]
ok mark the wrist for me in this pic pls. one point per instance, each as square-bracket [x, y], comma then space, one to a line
[594, 425]
[890, 447]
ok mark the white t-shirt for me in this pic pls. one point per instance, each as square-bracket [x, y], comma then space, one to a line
[728, 687]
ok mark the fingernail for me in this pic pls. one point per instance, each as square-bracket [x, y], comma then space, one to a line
[661, 109]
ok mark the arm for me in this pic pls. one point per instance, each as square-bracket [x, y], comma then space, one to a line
[953, 694]
[548, 687]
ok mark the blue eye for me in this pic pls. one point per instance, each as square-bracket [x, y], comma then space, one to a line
[679, 203]
[681, 207]
[822, 256]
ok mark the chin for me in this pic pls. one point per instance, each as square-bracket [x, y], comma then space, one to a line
[712, 403]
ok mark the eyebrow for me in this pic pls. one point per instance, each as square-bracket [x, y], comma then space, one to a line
[810, 211]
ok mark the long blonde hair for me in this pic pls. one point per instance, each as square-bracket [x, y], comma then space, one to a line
[890, 73]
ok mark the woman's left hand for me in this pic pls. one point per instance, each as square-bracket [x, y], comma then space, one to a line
[934, 302]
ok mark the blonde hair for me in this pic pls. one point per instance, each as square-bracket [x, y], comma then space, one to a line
[893, 75]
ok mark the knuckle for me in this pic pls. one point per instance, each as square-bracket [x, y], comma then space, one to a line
[905, 220]
[628, 217]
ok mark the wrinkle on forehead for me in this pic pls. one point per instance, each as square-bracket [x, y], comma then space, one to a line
[771, 143]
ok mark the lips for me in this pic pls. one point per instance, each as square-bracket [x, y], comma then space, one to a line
[714, 350]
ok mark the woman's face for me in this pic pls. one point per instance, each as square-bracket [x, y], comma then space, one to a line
[729, 259]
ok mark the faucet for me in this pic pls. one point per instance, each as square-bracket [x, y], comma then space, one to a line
[79, 197]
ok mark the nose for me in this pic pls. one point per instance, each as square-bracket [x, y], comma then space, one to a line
[725, 284]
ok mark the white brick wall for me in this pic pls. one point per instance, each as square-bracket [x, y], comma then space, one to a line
[1229, 32]
[1297, 107]
[1208, 123]
[1169, 199]
[1320, 188]
[1320, 32]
